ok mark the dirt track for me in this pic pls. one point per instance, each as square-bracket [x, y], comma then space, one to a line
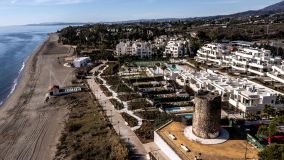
[30, 128]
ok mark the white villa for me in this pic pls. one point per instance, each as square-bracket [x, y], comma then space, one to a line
[135, 48]
[243, 94]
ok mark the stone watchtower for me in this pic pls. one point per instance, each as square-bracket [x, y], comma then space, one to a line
[207, 115]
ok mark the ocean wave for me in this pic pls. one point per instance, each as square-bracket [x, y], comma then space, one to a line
[15, 82]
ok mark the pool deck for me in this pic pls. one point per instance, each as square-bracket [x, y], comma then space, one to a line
[232, 149]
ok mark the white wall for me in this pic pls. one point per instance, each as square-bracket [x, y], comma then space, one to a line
[165, 147]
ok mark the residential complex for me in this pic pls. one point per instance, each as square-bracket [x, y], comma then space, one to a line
[134, 48]
[214, 53]
[175, 48]
[241, 56]
[277, 73]
[243, 94]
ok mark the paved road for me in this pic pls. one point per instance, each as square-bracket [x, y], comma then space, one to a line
[117, 121]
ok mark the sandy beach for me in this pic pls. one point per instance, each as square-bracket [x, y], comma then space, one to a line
[29, 127]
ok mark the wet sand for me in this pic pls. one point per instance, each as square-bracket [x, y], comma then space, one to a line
[29, 127]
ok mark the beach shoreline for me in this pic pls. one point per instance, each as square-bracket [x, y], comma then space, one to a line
[29, 127]
[22, 72]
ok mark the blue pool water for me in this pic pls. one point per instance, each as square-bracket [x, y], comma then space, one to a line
[174, 109]
[188, 116]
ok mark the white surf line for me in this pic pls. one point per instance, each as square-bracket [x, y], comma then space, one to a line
[125, 104]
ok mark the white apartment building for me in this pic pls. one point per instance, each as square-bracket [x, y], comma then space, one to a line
[215, 53]
[253, 60]
[240, 93]
[136, 48]
[123, 48]
[161, 41]
[142, 49]
[175, 48]
[277, 73]
[240, 56]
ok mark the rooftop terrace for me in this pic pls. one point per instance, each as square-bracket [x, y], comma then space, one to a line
[234, 148]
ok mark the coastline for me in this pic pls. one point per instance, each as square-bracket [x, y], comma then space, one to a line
[22, 72]
[23, 77]
[29, 127]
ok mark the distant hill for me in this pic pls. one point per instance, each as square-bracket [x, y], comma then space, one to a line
[278, 7]
[272, 9]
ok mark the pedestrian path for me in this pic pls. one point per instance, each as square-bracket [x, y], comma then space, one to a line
[125, 104]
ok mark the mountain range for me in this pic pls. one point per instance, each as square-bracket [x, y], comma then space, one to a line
[277, 8]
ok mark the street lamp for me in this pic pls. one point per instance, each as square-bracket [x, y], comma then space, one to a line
[118, 128]
[110, 116]
[246, 131]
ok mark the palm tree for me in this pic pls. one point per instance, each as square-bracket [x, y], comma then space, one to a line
[155, 68]
[164, 68]
[268, 111]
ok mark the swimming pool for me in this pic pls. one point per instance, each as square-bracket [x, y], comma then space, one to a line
[173, 109]
[186, 115]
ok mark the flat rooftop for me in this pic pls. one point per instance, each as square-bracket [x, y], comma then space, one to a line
[234, 148]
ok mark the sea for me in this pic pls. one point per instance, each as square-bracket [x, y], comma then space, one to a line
[17, 43]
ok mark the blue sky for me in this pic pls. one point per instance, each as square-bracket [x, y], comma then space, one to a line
[16, 12]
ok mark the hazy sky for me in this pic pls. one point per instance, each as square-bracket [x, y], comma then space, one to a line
[14, 12]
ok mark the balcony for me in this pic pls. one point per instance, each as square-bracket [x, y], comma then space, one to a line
[273, 76]
[238, 105]
[243, 54]
[279, 69]
[243, 69]
[201, 58]
[212, 55]
[215, 60]
[243, 62]
[202, 53]
[256, 65]
[261, 73]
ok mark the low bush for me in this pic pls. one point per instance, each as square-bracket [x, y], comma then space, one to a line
[146, 132]
[132, 122]
[141, 104]
[87, 134]
[112, 69]
[129, 97]
[106, 91]
[117, 104]
[99, 81]
[121, 87]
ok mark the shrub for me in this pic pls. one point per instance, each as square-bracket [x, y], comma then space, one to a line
[275, 151]
[132, 122]
[117, 104]
[106, 91]
[141, 104]
[88, 135]
[129, 97]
